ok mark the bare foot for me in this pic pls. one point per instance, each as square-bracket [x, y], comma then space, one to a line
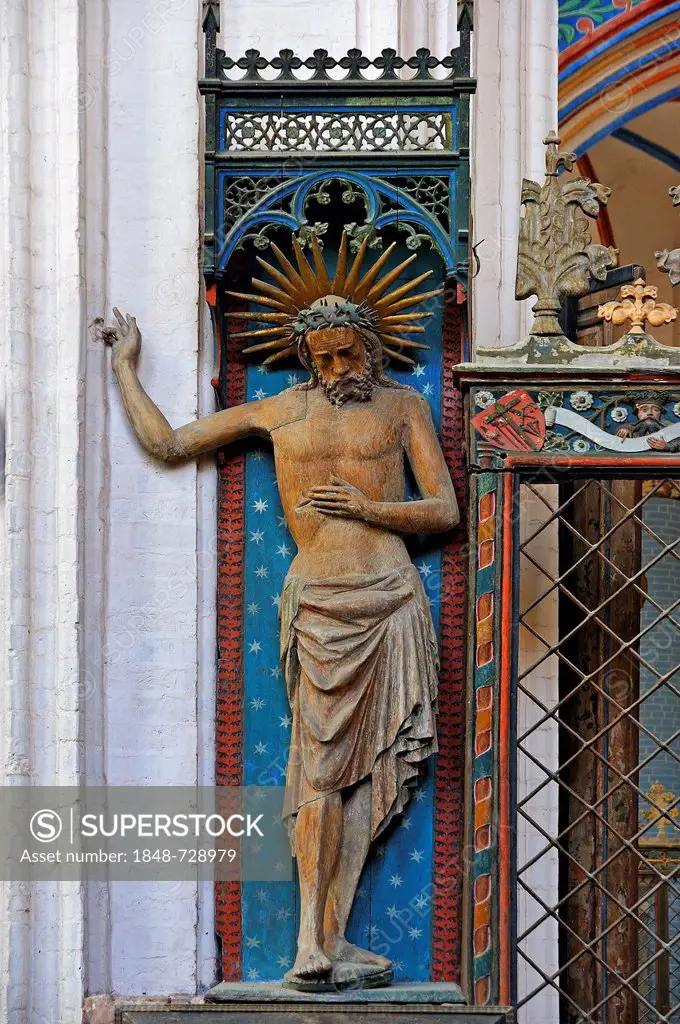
[311, 963]
[340, 949]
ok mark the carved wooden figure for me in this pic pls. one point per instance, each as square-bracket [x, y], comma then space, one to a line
[668, 261]
[357, 641]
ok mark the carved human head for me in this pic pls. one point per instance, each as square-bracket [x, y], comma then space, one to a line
[648, 408]
[342, 360]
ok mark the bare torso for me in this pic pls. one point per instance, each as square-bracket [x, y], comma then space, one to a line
[340, 470]
[363, 443]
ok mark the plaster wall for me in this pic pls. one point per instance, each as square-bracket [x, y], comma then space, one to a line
[108, 559]
[152, 650]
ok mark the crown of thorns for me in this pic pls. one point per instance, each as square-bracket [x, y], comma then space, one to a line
[648, 398]
[306, 299]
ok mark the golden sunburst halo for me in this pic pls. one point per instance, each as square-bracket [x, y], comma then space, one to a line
[298, 298]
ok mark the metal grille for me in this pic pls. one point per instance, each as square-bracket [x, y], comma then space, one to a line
[598, 769]
[346, 132]
[660, 974]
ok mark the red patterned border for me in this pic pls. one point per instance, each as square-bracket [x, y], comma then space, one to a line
[230, 548]
[449, 780]
[486, 656]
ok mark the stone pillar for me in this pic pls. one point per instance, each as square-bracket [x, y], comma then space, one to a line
[515, 47]
[43, 329]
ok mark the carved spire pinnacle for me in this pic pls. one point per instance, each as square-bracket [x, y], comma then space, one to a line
[554, 158]
[556, 254]
[465, 15]
[211, 14]
[667, 261]
[638, 303]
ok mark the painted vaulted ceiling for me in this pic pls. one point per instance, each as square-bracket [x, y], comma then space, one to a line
[579, 18]
[618, 60]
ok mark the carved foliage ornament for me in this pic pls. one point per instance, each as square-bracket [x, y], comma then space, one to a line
[311, 131]
[638, 303]
[556, 255]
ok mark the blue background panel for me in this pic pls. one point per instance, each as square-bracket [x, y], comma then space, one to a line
[392, 912]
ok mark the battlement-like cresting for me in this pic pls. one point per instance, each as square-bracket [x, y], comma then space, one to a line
[287, 66]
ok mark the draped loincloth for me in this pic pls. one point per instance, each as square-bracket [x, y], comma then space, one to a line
[361, 665]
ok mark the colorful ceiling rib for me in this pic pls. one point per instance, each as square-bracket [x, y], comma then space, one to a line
[619, 59]
[578, 19]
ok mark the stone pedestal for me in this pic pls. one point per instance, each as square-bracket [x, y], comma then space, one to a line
[246, 1004]
[431, 993]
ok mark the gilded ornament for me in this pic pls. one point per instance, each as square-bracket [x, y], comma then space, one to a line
[305, 299]
[664, 815]
[638, 303]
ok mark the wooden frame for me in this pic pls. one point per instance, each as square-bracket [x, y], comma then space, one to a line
[496, 473]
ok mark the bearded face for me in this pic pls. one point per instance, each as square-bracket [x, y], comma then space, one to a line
[648, 412]
[342, 364]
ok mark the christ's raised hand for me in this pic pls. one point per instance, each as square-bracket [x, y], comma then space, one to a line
[125, 339]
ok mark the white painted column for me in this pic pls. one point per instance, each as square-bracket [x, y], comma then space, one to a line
[430, 23]
[515, 48]
[377, 26]
[43, 334]
[14, 310]
[93, 102]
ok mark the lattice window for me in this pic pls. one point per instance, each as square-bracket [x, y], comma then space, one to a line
[345, 132]
[431, 192]
[598, 753]
[242, 194]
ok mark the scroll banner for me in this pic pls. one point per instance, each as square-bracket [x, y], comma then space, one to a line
[572, 420]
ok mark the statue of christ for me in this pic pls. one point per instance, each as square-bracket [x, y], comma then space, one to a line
[358, 646]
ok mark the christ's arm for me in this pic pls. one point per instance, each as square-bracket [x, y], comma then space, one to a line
[437, 509]
[150, 425]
